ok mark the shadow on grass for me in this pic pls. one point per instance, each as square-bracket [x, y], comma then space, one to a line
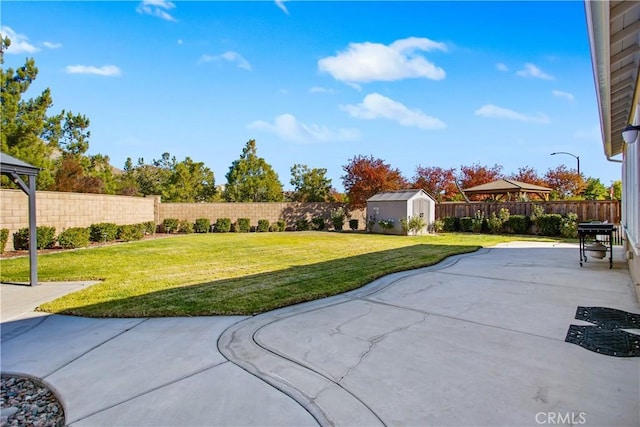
[256, 293]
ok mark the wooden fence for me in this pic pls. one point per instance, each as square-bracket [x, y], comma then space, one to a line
[587, 210]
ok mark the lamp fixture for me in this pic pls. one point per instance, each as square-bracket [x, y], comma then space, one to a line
[630, 134]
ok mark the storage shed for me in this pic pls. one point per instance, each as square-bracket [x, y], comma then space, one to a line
[394, 206]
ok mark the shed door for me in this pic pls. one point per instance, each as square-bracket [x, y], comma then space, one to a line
[421, 208]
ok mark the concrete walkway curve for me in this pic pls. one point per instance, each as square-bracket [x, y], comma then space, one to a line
[477, 340]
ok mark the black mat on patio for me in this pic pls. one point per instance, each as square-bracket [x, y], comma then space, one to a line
[609, 318]
[604, 341]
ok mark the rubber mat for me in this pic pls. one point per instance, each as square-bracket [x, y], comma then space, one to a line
[607, 337]
[610, 343]
[609, 318]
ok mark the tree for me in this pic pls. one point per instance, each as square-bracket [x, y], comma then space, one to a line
[23, 122]
[595, 190]
[564, 183]
[616, 189]
[366, 176]
[310, 185]
[56, 144]
[189, 182]
[252, 179]
[528, 175]
[438, 182]
[476, 174]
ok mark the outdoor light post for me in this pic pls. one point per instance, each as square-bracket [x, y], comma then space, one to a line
[572, 155]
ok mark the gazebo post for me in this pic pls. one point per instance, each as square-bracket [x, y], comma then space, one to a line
[33, 248]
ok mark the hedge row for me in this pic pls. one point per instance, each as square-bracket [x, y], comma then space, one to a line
[79, 237]
[243, 225]
[554, 225]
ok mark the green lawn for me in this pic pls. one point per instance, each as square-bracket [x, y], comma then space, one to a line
[232, 273]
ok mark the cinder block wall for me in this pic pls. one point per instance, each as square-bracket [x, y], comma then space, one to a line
[66, 210]
[290, 212]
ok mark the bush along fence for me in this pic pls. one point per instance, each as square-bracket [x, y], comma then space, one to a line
[539, 223]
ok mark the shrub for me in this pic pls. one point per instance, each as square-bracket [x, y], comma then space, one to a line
[536, 212]
[202, 225]
[353, 224]
[273, 227]
[130, 232]
[46, 238]
[185, 226]
[496, 223]
[170, 225]
[223, 225]
[149, 227]
[317, 223]
[549, 224]
[244, 225]
[371, 222]
[338, 216]
[103, 232]
[263, 225]
[465, 224]
[302, 225]
[519, 224]
[412, 225]
[4, 236]
[451, 224]
[75, 237]
[477, 222]
[386, 224]
[21, 239]
[281, 224]
[437, 226]
[569, 226]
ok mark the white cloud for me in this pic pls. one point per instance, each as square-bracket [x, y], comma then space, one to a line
[532, 71]
[157, 8]
[19, 42]
[51, 45]
[280, 4]
[287, 127]
[566, 95]
[105, 70]
[494, 112]
[318, 89]
[502, 67]
[228, 56]
[593, 134]
[376, 106]
[368, 62]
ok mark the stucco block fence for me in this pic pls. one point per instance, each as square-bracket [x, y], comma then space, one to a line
[66, 210]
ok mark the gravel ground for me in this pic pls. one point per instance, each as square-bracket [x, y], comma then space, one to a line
[27, 402]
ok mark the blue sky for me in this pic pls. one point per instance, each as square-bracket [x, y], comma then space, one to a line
[414, 83]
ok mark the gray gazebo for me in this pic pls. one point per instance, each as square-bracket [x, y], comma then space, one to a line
[14, 168]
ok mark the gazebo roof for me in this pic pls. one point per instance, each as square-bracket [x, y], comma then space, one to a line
[508, 186]
[9, 164]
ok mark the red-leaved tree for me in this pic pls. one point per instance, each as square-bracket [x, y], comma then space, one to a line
[476, 174]
[564, 183]
[438, 182]
[529, 175]
[366, 176]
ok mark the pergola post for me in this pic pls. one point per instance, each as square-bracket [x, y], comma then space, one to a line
[13, 168]
[33, 241]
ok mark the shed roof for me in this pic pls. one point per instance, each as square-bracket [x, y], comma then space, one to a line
[399, 195]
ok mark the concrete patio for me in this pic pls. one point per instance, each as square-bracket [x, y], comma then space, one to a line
[477, 340]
